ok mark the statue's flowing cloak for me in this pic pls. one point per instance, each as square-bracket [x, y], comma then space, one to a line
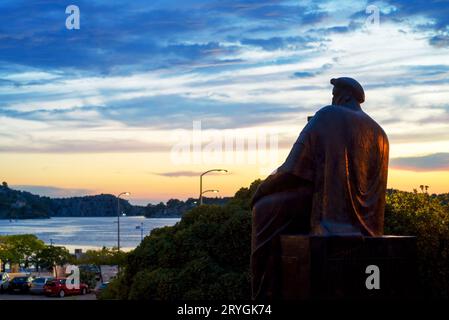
[344, 153]
[332, 182]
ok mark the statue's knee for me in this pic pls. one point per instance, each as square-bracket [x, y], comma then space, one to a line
[265, 203]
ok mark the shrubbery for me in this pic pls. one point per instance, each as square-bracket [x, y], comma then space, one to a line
[103, 256]
[206, 255]
[426, 217]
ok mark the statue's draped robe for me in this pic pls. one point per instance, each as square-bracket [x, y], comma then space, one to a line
[332, 182]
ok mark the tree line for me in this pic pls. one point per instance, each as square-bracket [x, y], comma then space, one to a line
[27, 250]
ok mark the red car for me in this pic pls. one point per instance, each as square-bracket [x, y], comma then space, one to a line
[57, 287]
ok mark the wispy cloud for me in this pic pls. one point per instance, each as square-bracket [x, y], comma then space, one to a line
[177, 174]
[125, 84]
[54, 192]
[90, 146]
[431, 162]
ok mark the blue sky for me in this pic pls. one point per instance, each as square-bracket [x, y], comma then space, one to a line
[136, 70]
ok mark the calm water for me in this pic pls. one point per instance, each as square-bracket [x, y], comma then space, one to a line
[85, 233]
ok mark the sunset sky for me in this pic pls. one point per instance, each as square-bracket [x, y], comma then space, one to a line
[113, 106]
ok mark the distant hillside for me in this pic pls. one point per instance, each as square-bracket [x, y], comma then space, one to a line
[23, 205]
[103, 205]
[15, 204]
[176, 208]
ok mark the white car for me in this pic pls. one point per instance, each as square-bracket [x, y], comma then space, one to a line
[37, 286]
[4, 281]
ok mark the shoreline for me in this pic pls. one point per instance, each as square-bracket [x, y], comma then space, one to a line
[87, 232]
[81, 217]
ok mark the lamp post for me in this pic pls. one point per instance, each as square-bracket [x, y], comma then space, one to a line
[141, 231]
[118, 218]
[201, 181]
[214, 191]
[211, 190]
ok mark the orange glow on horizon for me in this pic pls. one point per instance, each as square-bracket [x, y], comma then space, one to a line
[140, 174]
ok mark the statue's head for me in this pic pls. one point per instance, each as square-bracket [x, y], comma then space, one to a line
[347, 91]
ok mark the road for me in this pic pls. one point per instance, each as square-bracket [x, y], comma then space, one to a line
[18, 296]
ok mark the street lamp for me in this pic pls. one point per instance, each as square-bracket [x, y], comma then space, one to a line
[214, 191]
[118, 218]
[201, 181]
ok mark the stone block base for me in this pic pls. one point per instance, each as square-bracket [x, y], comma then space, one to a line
[347, 267]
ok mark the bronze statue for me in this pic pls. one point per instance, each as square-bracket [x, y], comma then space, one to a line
[332, 182]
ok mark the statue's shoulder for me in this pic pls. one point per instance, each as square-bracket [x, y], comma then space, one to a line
[328, 108]
[327, 111]
[323, 118]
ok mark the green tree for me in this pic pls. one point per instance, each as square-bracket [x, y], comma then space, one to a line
[151, 209]
[105, 256]
[173, 203]
[6, 252]
[51, 256]
[243, 196]
[204, 256]
[89, 277]
[424, 216]
[21, 249]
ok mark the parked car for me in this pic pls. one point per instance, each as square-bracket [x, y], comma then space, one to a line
[22, 284]
[100, 289]
[4, 281]
[37, 286]
[57, 287]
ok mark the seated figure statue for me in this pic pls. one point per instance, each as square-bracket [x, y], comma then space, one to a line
[333, 182]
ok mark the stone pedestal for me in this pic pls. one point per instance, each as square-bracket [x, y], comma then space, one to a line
[336, 267]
